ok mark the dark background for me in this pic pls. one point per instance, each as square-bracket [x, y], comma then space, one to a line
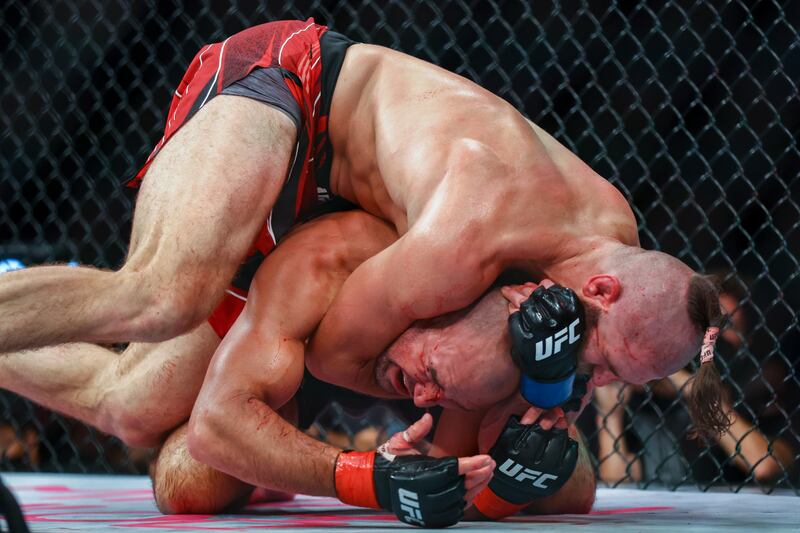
[690, 108]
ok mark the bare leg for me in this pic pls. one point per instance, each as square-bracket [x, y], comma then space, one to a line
[201, 204]
[137, 395]
[182, 485]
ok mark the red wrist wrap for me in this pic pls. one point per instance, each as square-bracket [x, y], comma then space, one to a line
[493, 506]
[353, 479]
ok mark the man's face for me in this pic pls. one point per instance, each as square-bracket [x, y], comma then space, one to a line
[459, 361]
[642, 329]
[616, 350]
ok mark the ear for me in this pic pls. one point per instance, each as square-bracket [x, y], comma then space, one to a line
[604, 290]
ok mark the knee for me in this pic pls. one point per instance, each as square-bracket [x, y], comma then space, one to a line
[183, 486]
[174, 496]
[579, 504]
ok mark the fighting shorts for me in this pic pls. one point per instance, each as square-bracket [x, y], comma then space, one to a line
[291, 66]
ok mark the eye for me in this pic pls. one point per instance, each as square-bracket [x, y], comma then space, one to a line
[432, 377]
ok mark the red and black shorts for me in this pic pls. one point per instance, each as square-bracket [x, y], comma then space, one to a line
[291, 66]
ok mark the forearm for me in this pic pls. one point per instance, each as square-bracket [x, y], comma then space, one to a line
[750, 449]
[457, 434]
[248, 440]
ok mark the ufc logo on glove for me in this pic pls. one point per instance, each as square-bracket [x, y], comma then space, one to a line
[516, 483]
[409, 504]
[546, 335]
[544, 347]
[520, 473]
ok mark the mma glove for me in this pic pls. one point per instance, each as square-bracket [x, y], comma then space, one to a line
[546, 336]
[531, 463]
[419, 490]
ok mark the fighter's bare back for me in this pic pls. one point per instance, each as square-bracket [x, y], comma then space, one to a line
[406, 133]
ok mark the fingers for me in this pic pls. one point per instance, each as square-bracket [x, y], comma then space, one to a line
[418, 430]
[404, 443]
[528, 289]
[514, 295]
[553, 418]
[531, 416]
[476, 462]
[476, 481]
[546, 283]
[477, 472]
[546, 419]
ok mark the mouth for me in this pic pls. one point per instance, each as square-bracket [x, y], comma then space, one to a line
[399, 381]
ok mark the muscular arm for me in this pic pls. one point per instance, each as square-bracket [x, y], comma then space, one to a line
[259, 365]
[420, 276]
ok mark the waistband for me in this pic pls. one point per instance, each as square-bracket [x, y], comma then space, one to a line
[333, 47]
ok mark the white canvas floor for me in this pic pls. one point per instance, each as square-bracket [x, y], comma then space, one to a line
[59, 502]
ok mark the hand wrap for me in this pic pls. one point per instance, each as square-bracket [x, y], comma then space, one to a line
[546, 336]
[531, 463]
[419, 490]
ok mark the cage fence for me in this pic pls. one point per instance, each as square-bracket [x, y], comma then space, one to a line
[689, 107]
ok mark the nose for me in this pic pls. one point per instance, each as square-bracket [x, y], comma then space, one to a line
[425, 394]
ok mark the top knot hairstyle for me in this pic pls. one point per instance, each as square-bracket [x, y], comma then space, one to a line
[706, 400]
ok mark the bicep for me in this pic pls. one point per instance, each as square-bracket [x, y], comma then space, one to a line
[254, 361]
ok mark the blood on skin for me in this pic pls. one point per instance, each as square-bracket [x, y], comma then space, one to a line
[266, 415]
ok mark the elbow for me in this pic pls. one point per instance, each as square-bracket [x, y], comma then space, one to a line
[205, 435]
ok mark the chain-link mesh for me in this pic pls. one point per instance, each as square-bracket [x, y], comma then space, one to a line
[690, 108]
